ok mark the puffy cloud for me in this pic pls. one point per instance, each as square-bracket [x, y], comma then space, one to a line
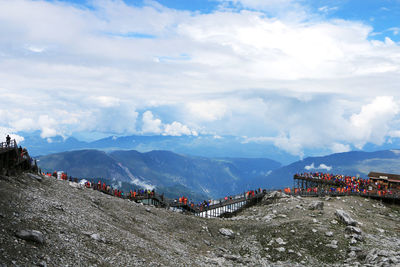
[339, 148]
[372, 124]
[47, 126]
[151, 124]
[322, 166]
[335, 125]
[178, 129]
[155, 126]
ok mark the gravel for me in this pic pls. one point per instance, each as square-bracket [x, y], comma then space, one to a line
[51, 223]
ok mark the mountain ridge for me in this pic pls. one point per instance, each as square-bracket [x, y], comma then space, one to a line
[211, 178]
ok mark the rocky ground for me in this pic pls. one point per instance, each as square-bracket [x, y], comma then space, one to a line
[45, 222]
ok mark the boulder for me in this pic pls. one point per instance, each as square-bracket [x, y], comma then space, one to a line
[345, 217]
[353, 230]
[31, 235]
[227, 232]
[316, 205]
[274, 195]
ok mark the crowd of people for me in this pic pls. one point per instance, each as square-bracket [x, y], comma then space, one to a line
[135, 194]
[341, 184]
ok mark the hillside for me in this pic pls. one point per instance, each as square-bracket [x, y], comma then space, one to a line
[349, 163]
[172, 173]
[75, 226]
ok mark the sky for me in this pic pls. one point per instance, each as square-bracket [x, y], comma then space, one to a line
[295, 74]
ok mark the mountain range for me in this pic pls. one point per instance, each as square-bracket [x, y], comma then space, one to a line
[204, 178]
[210, 146]
[172, 173]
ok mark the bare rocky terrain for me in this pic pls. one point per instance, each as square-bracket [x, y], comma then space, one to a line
[49, 222]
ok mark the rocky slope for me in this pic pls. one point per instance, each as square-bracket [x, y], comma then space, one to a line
[81, 227]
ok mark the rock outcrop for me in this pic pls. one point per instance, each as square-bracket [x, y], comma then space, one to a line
[345, 217]
[31, 235]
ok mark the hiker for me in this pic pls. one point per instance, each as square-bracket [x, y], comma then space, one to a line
[8, 140]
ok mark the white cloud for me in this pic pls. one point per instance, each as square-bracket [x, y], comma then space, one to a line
[47, 125]
[106, 101]
[396, 151]
[339, 148]
[261, 4]
[7, 131]
[36, 49]
[327, 9]
[177, 129]
[155, 126]
[322, 166]
[372, 124]
[207, 110]
[395, 30]
[329, 123]
[151, 124]
[300, 83]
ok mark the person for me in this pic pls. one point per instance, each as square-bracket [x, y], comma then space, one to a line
[8, 140]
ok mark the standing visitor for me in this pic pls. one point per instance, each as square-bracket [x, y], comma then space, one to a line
[8, 140]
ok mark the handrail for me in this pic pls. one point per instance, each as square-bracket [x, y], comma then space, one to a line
[11, 145]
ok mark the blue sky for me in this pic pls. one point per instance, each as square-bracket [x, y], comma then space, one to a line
[381, 15]
[298, 75]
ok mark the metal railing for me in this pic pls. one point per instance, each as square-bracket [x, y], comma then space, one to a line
[9, 145]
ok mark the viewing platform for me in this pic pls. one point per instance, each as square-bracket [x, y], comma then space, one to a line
[13, 158]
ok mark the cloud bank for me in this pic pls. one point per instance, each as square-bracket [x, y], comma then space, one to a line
[285, 76]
